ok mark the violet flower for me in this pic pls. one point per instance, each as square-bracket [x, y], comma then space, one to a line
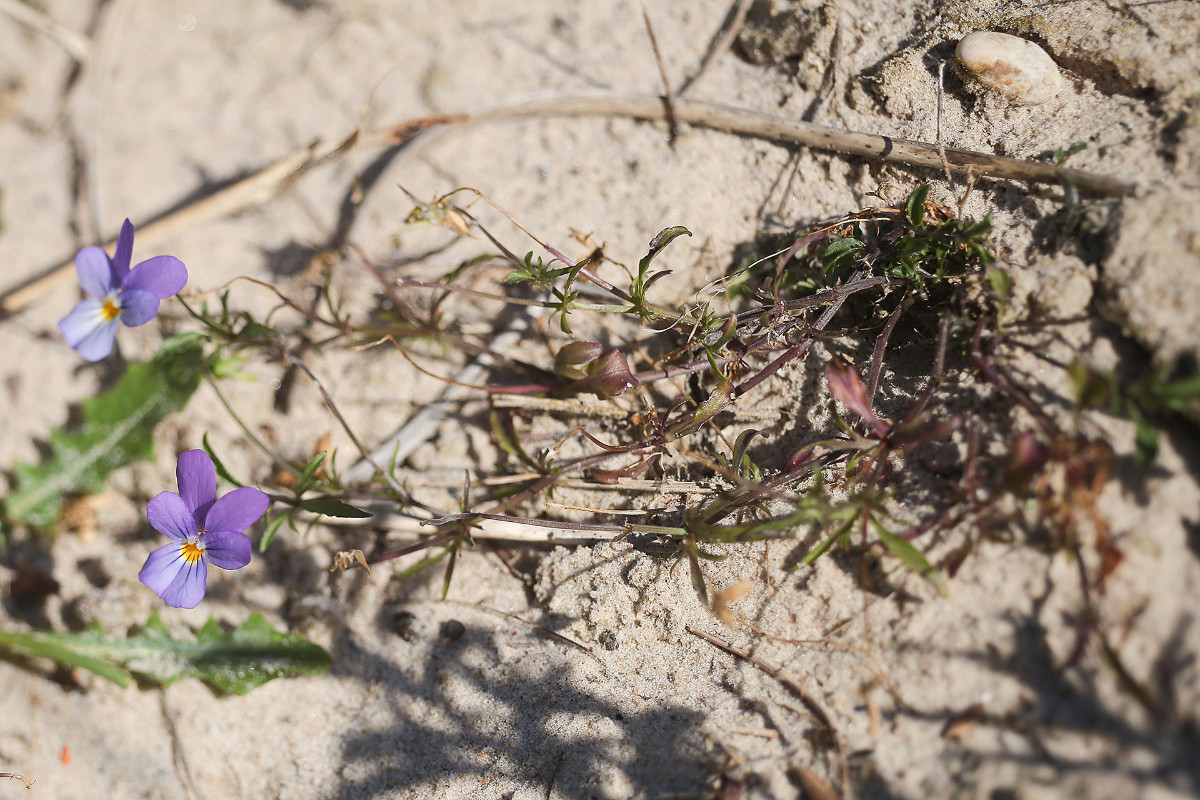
[201, 529]
[117, 292]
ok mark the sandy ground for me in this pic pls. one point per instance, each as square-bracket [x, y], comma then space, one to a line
[962, 696]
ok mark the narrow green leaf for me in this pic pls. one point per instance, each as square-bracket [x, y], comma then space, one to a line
[309, 475]
[659, 243]
[272, 528]
[826, 543]
[504, 433]
[690, 547]
[452, 551]
[222, 472]
[722, 396]
[331, 507]
[420, 565]
[910, 556]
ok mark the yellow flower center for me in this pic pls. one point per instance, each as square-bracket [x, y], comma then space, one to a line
[110, 310]
[193, 550]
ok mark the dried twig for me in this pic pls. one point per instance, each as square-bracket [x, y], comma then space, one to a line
[820, 137]
[18, 776]
[668, 92]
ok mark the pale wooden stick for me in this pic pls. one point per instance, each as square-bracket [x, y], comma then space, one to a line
[819, 137]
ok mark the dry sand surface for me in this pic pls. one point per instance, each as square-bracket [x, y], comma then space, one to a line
[981, 693]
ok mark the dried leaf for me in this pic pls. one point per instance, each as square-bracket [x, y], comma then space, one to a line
[723, 597]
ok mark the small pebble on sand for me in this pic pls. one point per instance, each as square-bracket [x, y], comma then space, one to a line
[1018, 69]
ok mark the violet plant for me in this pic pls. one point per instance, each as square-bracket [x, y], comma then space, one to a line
[849, 281]
[202, 529]
[118, 294]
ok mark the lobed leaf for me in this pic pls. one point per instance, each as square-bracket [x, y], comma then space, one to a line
[230, 663]
[117, 430]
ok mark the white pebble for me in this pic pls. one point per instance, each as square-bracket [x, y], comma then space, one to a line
[1014, 67]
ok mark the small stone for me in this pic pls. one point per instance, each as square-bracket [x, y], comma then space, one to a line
[1018, 69]
[453, 630]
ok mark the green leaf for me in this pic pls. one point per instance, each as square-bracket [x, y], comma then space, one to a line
[826, 543]
[916, 205]
[451, 550]
[118, 429]
[222, 471]
[692, 549]
[272, 528]
[659, 243]
[1090, 388]
[1001, 283]
[420, 565]
[722, 396]
[232, 663]
[504, 433]
[910, 556]
[308, 477]
[642, 282]
[1061, 155]
[842, 250]
[334, 508]
[71, 653]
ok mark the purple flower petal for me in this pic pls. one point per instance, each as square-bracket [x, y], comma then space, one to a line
[163, 276]
[162, 567]
[227, 549]
[86, 330]
[124, 255]
[197, 484]
[237, 510]
[95, 272]
[177, 582]
[138, 307]
[169, 515]
[82, 322]
[187, 590]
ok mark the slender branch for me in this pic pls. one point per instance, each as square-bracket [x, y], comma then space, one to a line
[668, 92]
